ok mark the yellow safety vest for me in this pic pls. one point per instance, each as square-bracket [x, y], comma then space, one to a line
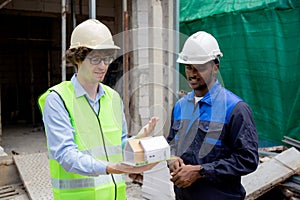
[105, 145]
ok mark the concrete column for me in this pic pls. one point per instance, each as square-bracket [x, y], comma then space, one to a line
[156, 183]
[139, 74]
[156, 61]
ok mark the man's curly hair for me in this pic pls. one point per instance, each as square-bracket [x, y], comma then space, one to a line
[77, 55]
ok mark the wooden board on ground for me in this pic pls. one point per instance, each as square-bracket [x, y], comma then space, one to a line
[35, 174]
[272, 172]
[13, 192]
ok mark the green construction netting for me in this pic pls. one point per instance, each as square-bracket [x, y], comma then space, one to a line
[260, 40]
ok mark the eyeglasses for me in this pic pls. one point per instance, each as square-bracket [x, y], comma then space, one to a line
[97, 60]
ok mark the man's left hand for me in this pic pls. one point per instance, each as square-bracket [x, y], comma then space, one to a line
[186, 175]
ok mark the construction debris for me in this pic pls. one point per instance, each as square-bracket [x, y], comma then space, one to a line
[272, 173]
[291, 187]
[266, 153]
[273, 149]
[2, 153]
[291, 141]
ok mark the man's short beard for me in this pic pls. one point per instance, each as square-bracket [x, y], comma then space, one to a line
[201, 87]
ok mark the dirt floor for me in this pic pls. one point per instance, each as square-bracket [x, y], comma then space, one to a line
[24, 139]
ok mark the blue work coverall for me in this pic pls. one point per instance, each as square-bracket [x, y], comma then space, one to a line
[218, 133]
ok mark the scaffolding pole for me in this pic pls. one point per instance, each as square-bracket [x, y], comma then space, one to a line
[63, 40]
[92, 9]
[126, 63]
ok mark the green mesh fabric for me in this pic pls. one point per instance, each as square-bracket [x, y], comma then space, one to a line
[260, 41]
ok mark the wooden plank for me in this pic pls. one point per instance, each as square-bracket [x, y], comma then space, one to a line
[277, 149]
[272, 172]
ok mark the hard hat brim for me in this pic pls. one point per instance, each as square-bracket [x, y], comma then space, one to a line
[179, 60]
[106, 46]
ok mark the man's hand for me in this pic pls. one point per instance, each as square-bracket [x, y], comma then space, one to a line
[123, 168]
[136, 178]
[186, 175]
[148, 128]
[175, 163]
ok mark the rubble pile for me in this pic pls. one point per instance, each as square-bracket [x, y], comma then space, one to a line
[277, 176]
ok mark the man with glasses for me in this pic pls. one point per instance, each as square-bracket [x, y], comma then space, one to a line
[85, 124]
[212, 134]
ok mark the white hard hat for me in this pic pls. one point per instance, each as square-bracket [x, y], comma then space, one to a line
[199, 48]
[92, 34]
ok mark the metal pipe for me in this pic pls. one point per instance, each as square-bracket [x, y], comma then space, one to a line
[124, 5]
[126, 63]
[177, 41]
[5, 3]
[73, 11]
[63, 40]
[92, 9]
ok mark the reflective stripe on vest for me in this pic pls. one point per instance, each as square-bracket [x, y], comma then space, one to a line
[85, 182]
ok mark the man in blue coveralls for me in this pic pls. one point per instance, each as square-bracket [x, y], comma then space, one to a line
[212, 134]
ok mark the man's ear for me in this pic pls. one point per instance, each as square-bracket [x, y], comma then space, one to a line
[216, 68]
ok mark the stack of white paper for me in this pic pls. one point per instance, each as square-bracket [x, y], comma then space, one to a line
[157, 184]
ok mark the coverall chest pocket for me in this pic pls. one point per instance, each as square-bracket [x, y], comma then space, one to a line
[213, 144]
[178, 131]
[177, 126]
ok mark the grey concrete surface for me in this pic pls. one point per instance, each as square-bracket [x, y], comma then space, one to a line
[23, 139]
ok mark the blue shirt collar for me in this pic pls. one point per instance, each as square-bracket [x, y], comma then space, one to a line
[80, 91]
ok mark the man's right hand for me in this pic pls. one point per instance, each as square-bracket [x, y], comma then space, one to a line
[123, 168]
